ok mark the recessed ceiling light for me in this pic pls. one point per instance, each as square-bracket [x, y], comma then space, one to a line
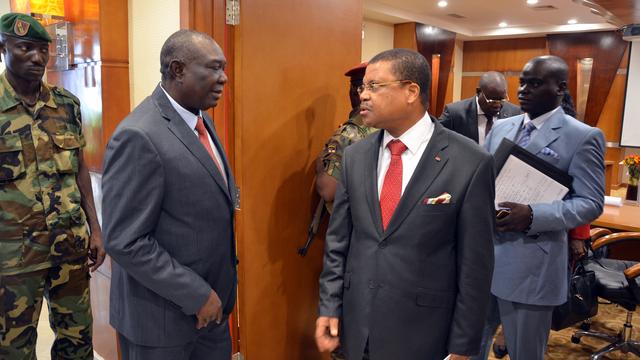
[442, 3]
[532, 2]
[572, 21]
[503, 24]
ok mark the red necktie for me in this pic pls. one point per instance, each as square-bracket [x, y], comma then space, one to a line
[204, 139]
[392, 185]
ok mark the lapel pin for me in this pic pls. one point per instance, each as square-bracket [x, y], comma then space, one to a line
[437, 157]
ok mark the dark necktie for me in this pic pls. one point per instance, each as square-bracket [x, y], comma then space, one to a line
[489, 125]
[392, 185]
[204, 139]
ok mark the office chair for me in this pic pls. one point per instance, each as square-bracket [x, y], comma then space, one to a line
[617, 281]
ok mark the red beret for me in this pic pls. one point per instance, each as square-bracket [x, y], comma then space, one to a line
[358, 71]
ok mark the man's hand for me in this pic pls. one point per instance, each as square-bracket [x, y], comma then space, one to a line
[577, 248]
[327, 338]
[459, 357]
[211, 310]
[518, 220]
[96, 251]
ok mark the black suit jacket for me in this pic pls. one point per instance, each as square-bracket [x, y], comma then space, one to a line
[168, 225]
[420, 289]
[462, 116]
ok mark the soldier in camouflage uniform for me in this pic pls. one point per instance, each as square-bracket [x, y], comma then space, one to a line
[45, 203]
[329, 163]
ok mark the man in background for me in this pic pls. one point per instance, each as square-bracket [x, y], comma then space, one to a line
[169, 211]
[46, 203]
[474, 117]
[531, 251]
[414, 200]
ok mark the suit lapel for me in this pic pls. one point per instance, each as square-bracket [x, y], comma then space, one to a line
[472, 115]
[371, 181]
[512, 132]
[547, 133]
[428, 169]
[180, 129]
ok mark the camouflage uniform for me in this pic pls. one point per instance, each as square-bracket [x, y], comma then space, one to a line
[43, 230]
[348, 133]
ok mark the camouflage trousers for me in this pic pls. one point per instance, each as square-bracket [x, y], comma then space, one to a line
[66, 288]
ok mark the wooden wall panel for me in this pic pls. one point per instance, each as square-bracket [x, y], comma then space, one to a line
[468, 86]
[404, 36]
[501, 55]
[441, 42]
[606, 48]
[415, 36]
[290, 92]
[610, 120]
[114, 32]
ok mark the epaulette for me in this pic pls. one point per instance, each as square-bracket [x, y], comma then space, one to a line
[60, 91]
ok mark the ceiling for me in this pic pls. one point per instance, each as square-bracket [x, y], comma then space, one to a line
[481, 17]
[628, 11]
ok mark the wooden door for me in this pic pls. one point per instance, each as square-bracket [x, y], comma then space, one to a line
[289, 95]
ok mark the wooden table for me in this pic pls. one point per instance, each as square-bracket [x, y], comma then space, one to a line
[623, 218]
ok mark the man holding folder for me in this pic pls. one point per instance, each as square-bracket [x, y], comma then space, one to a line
[530, 275]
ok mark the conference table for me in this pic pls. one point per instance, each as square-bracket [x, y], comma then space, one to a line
[619, 218]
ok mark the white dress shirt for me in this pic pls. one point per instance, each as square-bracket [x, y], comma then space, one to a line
[191, 119]
[482, 123]
[416, 140]
[537, 122]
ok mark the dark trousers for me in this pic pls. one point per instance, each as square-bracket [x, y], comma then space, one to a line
[213, 343]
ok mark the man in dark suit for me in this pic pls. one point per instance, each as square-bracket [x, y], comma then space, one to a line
[169, 211]
[474, 117]
[408, 255]
[531, 251]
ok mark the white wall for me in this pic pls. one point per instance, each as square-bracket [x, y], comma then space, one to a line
[377, 37]
[457, 69]
[150, 24]
[5, 7]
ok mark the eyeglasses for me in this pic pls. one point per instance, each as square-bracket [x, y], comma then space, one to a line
[373, 86]
[496, 101]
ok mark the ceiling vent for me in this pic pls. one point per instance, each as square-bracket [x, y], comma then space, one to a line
[457, 16]
[544, 7]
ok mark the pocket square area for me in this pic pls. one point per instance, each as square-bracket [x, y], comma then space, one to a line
[444, 198]
[548, 152]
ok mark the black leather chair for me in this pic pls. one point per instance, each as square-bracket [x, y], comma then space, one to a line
[617, 281]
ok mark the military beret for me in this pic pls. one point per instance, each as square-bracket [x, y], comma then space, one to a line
[358, 71]
[24, 27]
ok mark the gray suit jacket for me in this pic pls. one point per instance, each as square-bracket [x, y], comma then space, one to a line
[420, 289]
[462, 116]
[532, 268]
[168, 225]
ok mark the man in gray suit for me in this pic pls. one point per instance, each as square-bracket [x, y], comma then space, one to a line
[474, 117]
[408, 254]
[530, 276]
[169, 211]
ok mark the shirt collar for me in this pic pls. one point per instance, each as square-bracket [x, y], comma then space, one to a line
[190, 118]
[10, 98]
[415, 136]
[537, 122]
[480, 112]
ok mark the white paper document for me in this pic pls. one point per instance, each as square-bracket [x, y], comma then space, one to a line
[521, 183]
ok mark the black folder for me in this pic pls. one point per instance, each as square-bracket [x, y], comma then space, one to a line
[508, 147]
